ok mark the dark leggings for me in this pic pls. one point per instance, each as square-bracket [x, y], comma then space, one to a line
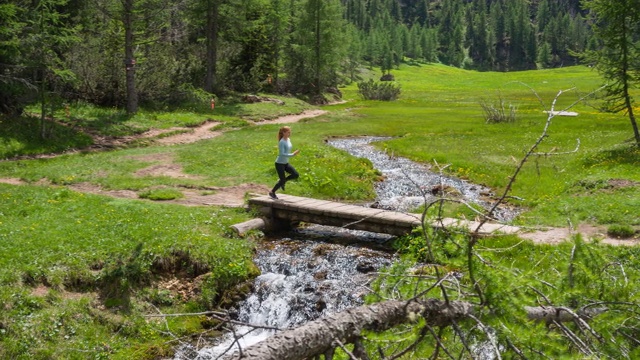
[281, 169]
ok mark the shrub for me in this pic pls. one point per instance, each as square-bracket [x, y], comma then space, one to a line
[498, 112]
[387, 77]
[372, 90]
[621, 231]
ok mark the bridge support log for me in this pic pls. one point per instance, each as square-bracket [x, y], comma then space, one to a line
[253, 224]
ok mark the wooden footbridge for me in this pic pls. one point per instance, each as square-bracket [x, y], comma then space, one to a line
[290, 209]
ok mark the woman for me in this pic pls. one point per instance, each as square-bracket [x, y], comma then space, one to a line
[282, 161]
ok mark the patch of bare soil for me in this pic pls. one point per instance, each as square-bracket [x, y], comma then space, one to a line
[293, 118]
[588, 232]
[621, 183]
[203, 132]
[169, 170]
[164, 166]
[181, 288]
[12, 181]
[231, 196]
[95, 189]
[190, 135]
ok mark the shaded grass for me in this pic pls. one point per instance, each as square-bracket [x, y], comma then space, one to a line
[22, 136]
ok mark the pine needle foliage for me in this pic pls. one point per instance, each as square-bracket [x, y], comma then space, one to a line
[372, 90]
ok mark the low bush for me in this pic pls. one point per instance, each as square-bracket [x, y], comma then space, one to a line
[372, 90]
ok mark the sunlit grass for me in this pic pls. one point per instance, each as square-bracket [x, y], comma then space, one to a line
[439, 120]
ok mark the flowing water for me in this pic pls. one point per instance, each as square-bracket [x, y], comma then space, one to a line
[320, 270]
[408, 184]
[303, 277]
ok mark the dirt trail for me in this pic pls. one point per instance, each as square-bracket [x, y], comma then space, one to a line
[204, 131]
[233, 196]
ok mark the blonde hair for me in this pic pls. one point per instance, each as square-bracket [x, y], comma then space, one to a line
[282, 131]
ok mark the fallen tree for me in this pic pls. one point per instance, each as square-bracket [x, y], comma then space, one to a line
[323, 335]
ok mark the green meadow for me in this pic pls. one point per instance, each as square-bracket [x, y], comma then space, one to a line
[98, 257]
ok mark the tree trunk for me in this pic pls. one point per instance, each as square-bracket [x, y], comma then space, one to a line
[318, 337]
[130, 62]
[632, 117]
[318, 52]
[213, 15]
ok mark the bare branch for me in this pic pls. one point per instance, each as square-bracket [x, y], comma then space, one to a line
[218, 313]
[552, 152]
[351, 356]
[515, 349]
[440, 345]
[490, 336]
[582, 347]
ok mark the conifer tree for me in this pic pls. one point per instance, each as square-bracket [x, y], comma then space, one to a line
[616, 26]
[47, 37]
[452, 33]
[429, 42]
[317, 46]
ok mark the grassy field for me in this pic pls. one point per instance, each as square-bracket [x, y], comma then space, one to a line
[99, 258]
[439, 119]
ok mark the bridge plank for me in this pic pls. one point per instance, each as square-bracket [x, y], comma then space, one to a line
[297, 208]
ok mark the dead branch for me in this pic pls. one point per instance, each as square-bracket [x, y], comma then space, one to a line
[560, 314]
[584, 348]
[551, 115]
[552, 152]
[490, 336]
[413, 345]
[344, 348]
[218, 313]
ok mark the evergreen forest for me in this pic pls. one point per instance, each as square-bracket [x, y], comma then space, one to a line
[161, 53]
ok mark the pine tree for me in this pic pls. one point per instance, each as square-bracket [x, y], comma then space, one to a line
[48, 36]
[452, 33]
[317, 46]
[616, 24]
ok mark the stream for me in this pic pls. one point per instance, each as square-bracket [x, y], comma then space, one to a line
[406, 181]
[319, 270]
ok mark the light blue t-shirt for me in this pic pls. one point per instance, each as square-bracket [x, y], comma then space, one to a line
[284, 151]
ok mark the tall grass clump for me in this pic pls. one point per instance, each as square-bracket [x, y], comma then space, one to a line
[498, 111]
[372, 90]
